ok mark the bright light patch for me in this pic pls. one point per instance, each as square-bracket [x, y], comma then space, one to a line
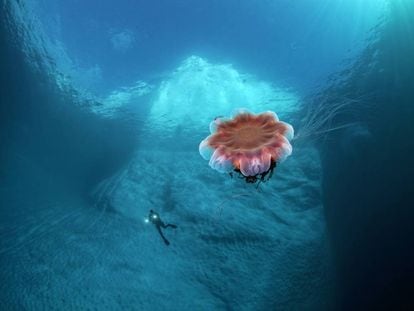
[198, 91]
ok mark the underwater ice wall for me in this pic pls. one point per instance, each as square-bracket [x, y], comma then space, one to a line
[44, 120]
[236, 248]
[52, 150]
[368, 171]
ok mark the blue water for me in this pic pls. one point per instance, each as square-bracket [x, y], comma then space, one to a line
[103, 105]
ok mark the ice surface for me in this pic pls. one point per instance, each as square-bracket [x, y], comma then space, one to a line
[236, 247]
[198, 91]
[120, 100]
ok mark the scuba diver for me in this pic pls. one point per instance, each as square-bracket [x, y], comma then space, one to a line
[156, 220]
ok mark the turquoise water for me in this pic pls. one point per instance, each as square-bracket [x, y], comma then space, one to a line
[103, 107]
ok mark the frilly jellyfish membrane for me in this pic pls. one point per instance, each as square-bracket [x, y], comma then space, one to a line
[248, 144]
[252, 145]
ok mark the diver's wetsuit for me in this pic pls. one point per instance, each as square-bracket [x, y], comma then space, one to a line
[156, 220]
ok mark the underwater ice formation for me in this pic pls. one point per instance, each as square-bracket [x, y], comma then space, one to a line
[198, 90]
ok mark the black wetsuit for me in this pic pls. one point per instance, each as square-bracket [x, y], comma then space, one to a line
[156, 220]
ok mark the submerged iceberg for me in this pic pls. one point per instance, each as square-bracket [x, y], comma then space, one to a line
[235, 246]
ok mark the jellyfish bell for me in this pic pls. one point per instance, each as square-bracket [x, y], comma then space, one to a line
[249, 144]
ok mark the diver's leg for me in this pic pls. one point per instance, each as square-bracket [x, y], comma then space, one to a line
[171, 225]
[162, 236]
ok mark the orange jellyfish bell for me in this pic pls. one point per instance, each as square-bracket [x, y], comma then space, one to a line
[247, 143]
